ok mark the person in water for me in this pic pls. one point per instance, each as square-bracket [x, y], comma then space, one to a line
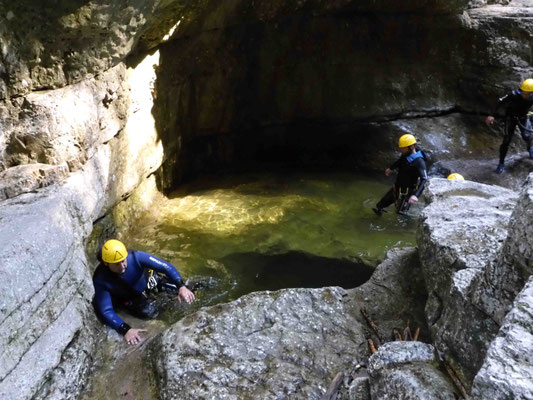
[121, 280]
[517, 102]
[411, 178]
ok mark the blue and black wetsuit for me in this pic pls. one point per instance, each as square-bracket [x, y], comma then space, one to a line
[411, 179]
[111, 289]
[515, 113]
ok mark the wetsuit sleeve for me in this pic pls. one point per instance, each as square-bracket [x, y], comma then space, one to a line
[395, 164]
[104, 307]
[501, 101]
[159, 265]
[422, 173]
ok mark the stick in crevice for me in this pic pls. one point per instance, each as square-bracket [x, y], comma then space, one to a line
[371, 323]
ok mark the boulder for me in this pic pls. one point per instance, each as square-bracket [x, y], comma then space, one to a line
[287, 343]
[408, 370]
[264, 345]
[460, 234]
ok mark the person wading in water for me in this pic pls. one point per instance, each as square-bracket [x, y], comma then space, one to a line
[411, 179]
[123, 278]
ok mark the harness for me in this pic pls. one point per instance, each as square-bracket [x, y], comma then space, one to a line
[157, 282]
[402, 195]
[401, 200]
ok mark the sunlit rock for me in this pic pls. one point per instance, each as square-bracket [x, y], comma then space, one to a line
[460, 235]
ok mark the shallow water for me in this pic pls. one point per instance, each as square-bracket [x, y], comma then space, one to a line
[253, 232]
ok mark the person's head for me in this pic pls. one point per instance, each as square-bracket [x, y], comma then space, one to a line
[456, 176]
[526, 88]
[114, 255]
[407, 143]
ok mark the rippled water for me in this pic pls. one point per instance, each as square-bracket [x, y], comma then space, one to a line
[257, 232]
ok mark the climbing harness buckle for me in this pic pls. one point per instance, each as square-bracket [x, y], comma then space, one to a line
[152, 281]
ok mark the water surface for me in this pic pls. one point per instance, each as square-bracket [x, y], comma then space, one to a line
[254, 232]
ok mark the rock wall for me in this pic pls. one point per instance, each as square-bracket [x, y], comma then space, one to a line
[462, 232]
[475, 254]
[46, 319]
[255, 85]
[79, 130]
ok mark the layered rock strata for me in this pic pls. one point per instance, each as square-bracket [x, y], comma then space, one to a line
[45, 315]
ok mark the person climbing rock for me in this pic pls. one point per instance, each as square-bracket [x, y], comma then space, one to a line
[517, 103]
[120, 280]
[411, 178]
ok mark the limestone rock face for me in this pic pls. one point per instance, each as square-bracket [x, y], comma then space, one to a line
[508, 276]
[460, 235]
[61, 127]
[292, 342]
[264, 345]
[406, 370]
[47, 46]
[45, 315]
[507, 285]
[46, 320]
[507, 372]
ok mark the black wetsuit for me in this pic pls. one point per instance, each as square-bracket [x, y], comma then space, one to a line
[411, 179]
[515, 112]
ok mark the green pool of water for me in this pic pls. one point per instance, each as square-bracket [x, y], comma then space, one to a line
[254, 232]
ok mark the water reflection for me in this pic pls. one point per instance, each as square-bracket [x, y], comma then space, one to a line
[260, 232]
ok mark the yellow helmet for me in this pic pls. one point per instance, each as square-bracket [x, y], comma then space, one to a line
[527, 85]
[456, 176]
[406, 140]
[114, 251]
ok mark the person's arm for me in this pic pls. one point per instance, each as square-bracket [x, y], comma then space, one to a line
[395, 164]
[159, 265]
[104, 306]
[423, 175]
[501, 101]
